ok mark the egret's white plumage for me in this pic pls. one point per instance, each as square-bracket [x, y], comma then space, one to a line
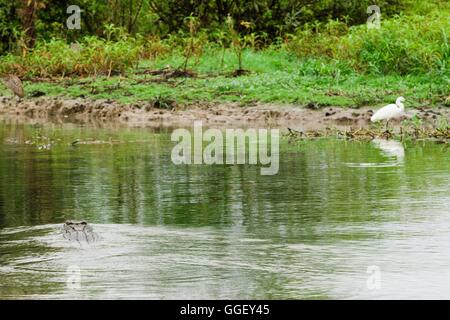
[391, 111]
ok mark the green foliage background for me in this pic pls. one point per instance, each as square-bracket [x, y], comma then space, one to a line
[319, 45]
[271, 18]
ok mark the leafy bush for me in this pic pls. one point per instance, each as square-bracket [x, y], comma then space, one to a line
[403, 45]
[91, 56]
[318, 39]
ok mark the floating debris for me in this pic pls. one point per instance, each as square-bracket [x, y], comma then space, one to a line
[441, 134]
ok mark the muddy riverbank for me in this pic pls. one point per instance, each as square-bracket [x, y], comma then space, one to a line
[169, 114]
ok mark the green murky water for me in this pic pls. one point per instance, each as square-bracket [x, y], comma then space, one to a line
[335, 209]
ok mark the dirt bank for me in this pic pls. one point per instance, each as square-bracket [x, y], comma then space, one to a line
[108, 112]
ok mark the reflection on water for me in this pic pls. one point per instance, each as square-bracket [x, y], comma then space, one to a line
[221, 231]
[392, 150]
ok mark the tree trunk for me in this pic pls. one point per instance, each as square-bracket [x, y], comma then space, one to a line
[28, 14]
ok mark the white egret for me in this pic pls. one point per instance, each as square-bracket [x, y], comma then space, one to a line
[391, 111]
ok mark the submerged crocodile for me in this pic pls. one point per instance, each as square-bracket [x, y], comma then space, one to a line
[79, 231]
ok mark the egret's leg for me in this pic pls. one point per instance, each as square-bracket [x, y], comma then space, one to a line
[387, 125]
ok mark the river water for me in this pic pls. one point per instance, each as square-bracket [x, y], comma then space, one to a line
[340, 220]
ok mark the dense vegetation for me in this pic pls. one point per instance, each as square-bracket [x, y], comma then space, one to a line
[324, 43]
[43, 19]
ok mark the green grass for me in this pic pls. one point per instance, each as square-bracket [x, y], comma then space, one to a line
[277, 76]
[331, 65]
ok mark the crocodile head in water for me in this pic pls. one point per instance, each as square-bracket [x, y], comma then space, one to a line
[79, 231]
